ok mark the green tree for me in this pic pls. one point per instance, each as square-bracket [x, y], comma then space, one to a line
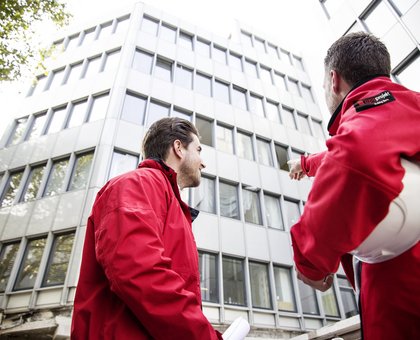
[18, 22]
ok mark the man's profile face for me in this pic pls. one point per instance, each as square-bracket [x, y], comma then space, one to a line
[192, 164]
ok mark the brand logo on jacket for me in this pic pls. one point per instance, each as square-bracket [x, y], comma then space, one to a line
[380, 99]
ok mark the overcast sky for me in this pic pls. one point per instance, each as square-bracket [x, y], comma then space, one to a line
[299, 24]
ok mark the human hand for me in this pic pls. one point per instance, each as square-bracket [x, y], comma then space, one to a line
[321, 285]
[295, 169]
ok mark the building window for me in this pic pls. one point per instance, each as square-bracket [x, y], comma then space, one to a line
[265, 74]
[57, 79]
[219, 54]
[297, 61]
[293, 87]
[143, 62]
[37, 126]
[57, 119]
[221, 91]
[252, 208]
[156, 112]
[304, 124]
[285, 56]
[282, 157]
[234, 281]
[203, 47]
[329, 301]
[408, 76]
[347, 296]
[168, 33]
[204, 195]
[18, 131]
[260, 286]
[251, 68]
[185, 40]
[77, 114]
[224, 138]
[264, 152]
[39, 85]
[122, 24]
[105, 30]
[280, 81]
[29, 268]
[183, 76]
[11, 189]
[292, 213]
[318, 129]
[205, 128]
[235, 61]
[122, 162]
[380, 19]
[33, 183]
[89, 37]
[180, 113]
[245, 148]
[150, 25]
[296, 154]
[307, 93]
[259, 45]
[208, 277]
[73, 42]
[246, 39]
[74, 73]
[272, 50]
[403, 5]
[58, 261]
[202, 84]
[111, 60]
[99, 107]
[285, 296]
[256, 105]
[7, 260]
[239, 98]
[163, 69]
[229, 206]
[288, 118]
[55, 183]
[272, 111]
[273, 212]
[81, 170]
[308, 299]
[133, 108]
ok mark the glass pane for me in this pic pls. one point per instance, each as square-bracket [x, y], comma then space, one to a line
[93, 67]
[29, 268]
[224, 138]
[329, 301]
[239, 98]
[122, 25]
[7, 260]
[285, 56]
[19, 129]
[79, 177]
[307, 93]
[202, 84]
[204, 196]
[99, 108]
[273, 212]
[185, 40]
[11, 189]
[228, 200]
[208, 277]
[219, 54]
[59, 260]
[33, 183]
[203, 48]
[245, 149]
[304, 124]
[251, 68]
[318, 129]
[221, 91]
[168, 33]
[380, 20]
[234, 282]
[105, 30]
[256, 105]
[349, 302]
[272, 112]
[409, 76]
[403, 5]
[57, 120]
[252, 210]
[74, 73]
[280, 82]
[37, 126]
[56, 79]
[181, 114]
[73, 42]
[260, 287]
[150, 25]
[205, 129]
[246, 39]
[264, 152]
[298, 63]
[282, 157]
[163, 69]
[112, 60]
[308, 299]
[292, 213]
[265, 75]
[89, 37]
[78, 114]
[272, 50]
[288, 118]
[235, 61]
[156, 112]
[122, 163]
[293, 87]
[284, 289]
[133, 109]
[184, 77]
[56, 178]
[143, 62]
[39, 85]
[259, 45]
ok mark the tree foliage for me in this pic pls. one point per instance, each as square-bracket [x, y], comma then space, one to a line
[18, 22]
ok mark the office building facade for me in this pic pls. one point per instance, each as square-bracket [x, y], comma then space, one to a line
[82, 123]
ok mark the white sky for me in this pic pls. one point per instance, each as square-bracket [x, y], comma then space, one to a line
[298, 24]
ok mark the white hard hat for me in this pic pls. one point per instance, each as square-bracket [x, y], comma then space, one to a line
[400, 229]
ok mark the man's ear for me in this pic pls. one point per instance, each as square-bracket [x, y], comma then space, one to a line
[335, 81]
[177, 146]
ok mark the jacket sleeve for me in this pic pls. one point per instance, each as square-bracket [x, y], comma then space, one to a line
[350, 194]
[311, 163]
[130, 249]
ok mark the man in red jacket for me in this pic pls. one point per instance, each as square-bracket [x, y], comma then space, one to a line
[139, 277]
[375, 124]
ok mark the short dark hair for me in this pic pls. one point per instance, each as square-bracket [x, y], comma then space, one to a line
[356, 56]
[163, 133]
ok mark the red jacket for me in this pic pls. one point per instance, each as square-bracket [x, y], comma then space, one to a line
[356, 180]
[139, 277]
